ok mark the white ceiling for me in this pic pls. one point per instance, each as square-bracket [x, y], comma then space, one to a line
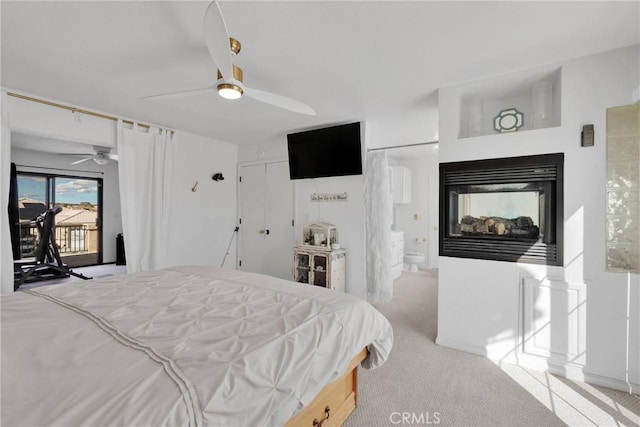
[349, 60]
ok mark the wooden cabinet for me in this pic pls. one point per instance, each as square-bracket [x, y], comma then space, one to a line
[319, 267]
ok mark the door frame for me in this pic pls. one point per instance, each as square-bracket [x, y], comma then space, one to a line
[239, 167]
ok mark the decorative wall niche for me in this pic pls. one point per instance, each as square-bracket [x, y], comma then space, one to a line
[535, 96]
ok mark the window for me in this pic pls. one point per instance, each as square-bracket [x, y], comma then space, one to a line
[78, 229]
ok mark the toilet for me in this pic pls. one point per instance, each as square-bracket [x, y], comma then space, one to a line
[412, 259]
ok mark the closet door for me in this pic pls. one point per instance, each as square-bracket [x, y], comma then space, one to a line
[266, 215]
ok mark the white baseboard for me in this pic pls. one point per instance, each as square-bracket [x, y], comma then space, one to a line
[570, 371]
[613, 383]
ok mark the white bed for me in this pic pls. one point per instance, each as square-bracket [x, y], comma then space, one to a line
[181, 346]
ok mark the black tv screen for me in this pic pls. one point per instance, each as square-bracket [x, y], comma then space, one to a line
[333, 151]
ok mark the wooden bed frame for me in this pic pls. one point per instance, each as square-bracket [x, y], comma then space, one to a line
[335, 402]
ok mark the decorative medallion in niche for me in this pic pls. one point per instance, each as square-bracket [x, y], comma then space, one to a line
[509, 120]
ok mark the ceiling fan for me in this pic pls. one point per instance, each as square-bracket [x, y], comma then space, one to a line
[101, 156]
[229, 84]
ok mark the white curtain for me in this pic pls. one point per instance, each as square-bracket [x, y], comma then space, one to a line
[145, 170]
[378, 227]
[6, 254]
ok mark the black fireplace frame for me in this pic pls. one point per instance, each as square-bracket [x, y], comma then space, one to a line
[536, 168]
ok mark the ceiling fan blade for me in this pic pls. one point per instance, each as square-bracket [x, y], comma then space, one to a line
[279, 101]
[113, 157]
[82, 160]
[217, 38]
[179, 94]
[75, 154]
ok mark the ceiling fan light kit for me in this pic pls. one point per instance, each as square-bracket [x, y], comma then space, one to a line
[229, 91]
[223, 50]
[233, 90]
[101, 160]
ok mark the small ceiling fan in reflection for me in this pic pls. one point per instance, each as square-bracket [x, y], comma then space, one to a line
[223, 49]
[101, 156]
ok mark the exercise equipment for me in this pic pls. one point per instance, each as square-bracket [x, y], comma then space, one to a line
[47, 263]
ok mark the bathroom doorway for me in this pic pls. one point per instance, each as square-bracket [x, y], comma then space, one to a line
[414, 186]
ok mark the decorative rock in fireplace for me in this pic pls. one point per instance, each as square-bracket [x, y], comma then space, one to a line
[507, 209]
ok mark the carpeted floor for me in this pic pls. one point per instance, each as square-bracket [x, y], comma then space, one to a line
[426, 384]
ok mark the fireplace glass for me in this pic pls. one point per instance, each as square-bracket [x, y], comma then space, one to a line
[507, 211]
[503, 209]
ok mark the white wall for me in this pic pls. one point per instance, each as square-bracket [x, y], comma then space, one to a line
[111, 220]
[205, 219]
[482, 305]
[347, 216]
[408, 127]
[262, 152]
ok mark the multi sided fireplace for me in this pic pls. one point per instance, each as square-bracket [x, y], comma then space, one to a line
[507, 209]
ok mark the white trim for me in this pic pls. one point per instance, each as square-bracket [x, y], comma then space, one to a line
[238, 214]
[577, 334]
[571, 371]
[627, 387]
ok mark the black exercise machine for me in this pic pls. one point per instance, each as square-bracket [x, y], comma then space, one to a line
[47, 263]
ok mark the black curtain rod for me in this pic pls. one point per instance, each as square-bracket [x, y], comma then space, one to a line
[405, 145]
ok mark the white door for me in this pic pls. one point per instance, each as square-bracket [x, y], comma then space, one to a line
[266, 220]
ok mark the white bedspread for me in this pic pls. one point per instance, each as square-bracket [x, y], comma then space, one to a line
[186, 345]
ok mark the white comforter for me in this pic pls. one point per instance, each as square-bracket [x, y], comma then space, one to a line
[181, 346]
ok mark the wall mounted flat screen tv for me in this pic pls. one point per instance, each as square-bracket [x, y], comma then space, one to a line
[333, 151]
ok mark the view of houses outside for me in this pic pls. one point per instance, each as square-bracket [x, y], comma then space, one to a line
[76, 231]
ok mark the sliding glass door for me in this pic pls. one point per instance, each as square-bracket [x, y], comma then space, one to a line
[78, 226]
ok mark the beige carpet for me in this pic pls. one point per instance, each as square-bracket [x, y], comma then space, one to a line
[426, 384]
